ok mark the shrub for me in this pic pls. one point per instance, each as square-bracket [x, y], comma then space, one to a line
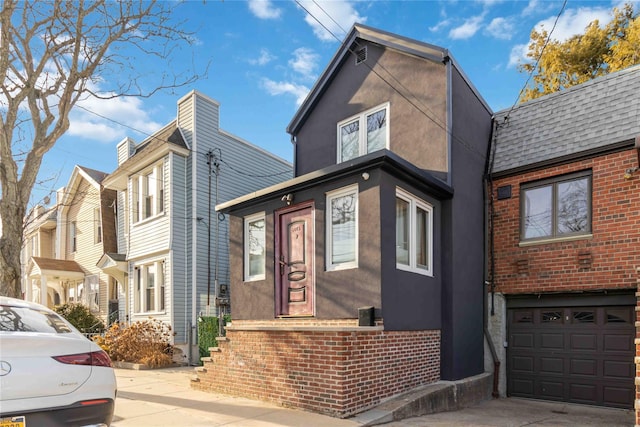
[207, 333]
[147, 342]
[81, 317]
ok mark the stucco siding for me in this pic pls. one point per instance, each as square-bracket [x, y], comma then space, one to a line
[417, 110]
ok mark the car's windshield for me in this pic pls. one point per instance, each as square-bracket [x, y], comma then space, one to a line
[26, 319]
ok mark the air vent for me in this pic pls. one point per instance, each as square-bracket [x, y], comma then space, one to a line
[361, 55]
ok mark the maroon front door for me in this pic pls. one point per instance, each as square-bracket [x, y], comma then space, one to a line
[294, 261]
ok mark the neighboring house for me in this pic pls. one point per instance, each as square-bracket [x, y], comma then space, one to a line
[362, 277]
[172, 252]
[64, 243]
[566, 243]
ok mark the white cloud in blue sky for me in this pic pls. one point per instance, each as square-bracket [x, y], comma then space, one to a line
[468, 29]
[331, 18]
[305, 62]
[264, 9]
[500, 28]
[263, 59]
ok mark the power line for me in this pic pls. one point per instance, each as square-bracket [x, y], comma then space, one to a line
[434, 120]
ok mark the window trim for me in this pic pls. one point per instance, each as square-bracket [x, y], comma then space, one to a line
[73, 236]
[140, 287]
[247, 272]
[330, 196]
[97, 230]
[155, 191]
[553, 183]
[414, 204]
[361, 118]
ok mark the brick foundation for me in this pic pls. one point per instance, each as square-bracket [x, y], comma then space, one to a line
[330, 369]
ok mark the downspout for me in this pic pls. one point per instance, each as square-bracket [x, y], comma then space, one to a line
[489, 256]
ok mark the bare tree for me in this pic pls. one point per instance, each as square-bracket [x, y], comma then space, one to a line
[53, 54]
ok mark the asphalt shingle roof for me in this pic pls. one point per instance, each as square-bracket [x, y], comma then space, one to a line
[591, 116]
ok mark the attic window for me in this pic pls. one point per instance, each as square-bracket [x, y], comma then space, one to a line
[361, 55]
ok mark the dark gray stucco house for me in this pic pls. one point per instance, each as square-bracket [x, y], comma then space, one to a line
[363, 277]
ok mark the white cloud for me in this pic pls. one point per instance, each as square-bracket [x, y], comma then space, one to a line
[305, 62]
[468, 29]
[570, 23]
[574, 21]
[264, 9]
[264, 58]
[501, 28]
[517, 55]
[337, 16]
[286, 88]
[440, 25]
[127, 111]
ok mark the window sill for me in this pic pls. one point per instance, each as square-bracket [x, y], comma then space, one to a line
[254, 279]
[414, 270]
[150, 219]
[149, 313]
[339, 267]
[546, 241]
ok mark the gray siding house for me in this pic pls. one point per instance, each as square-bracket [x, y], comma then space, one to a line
[172, 255]
[369, 264]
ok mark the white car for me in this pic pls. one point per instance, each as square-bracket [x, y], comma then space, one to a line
[50, 374]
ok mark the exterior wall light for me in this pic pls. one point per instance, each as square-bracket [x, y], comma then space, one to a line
[628, 174]
[287, 198]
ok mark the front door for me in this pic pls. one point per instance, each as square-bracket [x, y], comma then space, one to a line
[295, 288]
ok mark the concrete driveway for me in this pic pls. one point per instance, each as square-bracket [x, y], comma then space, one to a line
[163, 397]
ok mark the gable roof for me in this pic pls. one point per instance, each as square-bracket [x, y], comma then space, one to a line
[603, 113]
[169, 138]
[383, 38]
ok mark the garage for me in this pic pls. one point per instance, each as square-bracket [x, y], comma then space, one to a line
[562, 349]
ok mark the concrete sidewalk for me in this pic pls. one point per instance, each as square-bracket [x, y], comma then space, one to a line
[163, 397]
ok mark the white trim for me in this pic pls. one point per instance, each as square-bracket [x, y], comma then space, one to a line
[334, 194]
[414, 204]
[361, 118]
[247, 273]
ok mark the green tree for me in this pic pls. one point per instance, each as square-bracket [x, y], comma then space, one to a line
[52, 54]
[598, 51]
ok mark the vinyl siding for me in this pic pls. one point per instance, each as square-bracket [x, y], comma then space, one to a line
[149, 235]
[123, 241]
[180, 224]
[81, 210]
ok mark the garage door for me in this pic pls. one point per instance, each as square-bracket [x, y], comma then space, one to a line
[572, 354]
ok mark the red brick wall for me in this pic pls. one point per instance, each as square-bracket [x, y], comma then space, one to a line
[338, 373]
[605, 261]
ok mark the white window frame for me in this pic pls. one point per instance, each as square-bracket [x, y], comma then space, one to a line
[73, 236]
[140, 287]
[148, 185]
[414, 204]
[331, 196]
[362, 131]
[248, 220]
[97, 229]
[92, 283]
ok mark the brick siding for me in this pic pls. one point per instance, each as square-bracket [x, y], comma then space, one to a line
[336, 372]
[605, 261]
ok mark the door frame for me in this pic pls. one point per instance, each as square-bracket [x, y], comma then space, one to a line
[310, 204]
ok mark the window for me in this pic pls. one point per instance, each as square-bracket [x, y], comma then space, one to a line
[97, 223]
[149, 288]
[73, 238]
[148, 193]
[342, 228]
[557, 208]
[75, 292]
[363, 134]
[93, 287]
[254, 247]
[414, 229]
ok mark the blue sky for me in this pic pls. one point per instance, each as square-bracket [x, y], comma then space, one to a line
[262, 57]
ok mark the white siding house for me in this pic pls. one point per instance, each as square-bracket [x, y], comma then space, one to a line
[173, 244]
[63, 244]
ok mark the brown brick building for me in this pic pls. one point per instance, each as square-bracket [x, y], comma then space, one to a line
[564, 244]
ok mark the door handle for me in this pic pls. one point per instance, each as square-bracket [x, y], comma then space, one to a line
[282, 264]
